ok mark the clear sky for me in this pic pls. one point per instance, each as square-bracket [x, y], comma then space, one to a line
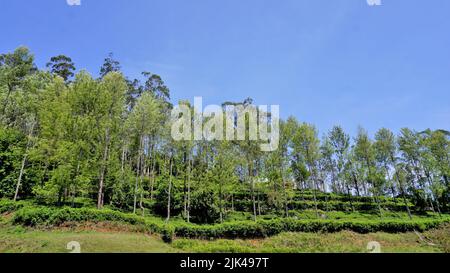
[326, 62]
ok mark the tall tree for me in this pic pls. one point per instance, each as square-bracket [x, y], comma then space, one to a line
[145, 123]
[109, 65]
[62, 66]
[155, 85]
[14, 67]
[365, 153]
[386, 150]
[307, 149]
[112, 91]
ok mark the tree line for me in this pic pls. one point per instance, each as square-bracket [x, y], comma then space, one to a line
[68, 138]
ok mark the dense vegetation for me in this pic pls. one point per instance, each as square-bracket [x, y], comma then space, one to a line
[71, 142]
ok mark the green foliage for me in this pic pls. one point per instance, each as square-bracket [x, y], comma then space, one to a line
[62, 66]
[12, 144]
[106, 142]
[7, 206]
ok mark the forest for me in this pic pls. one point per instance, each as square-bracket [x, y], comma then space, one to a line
[74, 147]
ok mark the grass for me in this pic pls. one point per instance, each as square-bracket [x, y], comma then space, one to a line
[15, 239]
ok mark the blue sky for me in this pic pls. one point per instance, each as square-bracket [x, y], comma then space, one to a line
[326, 62]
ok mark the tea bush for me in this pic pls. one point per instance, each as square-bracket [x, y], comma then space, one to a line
[45, 216]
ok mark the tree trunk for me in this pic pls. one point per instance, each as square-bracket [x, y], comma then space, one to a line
[19, 180]
[141, 182]
[313, 177]
[252, 188]
[373, 185]
[188, 215]
[430, 183]
[220, 202]
[253, 198]
[401, 188]
[138, 171]
[103, 170]
[169, 192]
[285, 197]
[349, 197]
[153, 174]
[185, 185]
[389, 179]
[24, 161]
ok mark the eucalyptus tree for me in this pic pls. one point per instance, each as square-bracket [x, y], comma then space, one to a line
[54, 146]
[386, 151]
[340, 143]
[14, 67]
[306, 148]
[222, 173]
[249, 150]
[297, 162]
[438, 145]
[22, 114]
[278, 172]
[410, 146]
[365, 154]
[187, 147]
[155, 85]
[353, 173]
[109, 65]
[171, 154]
[434, 160]
[111, 91]
[85, 125]
[62, 66]
[145, 125]
[328, 164]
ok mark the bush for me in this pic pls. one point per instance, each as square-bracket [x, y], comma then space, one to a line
[7, 205]
[167, 233]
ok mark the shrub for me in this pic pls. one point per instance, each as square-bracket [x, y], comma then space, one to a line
[7, 205]
[167, 233]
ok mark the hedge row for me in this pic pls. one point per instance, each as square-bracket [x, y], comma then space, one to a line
[43, 216]
[320, 196]
[266, 228]
[347, 206]
[345, 198]
[7, 205]
[330, 205]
